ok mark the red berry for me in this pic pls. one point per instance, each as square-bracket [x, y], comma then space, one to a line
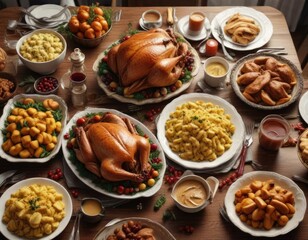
[58, 170]
[127, 191]
[153, 147]
[120, 189]
[75, 193]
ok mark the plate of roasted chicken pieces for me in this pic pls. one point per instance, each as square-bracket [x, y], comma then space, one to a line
[142, 228]
[113, 154]
[147, 67]
[265, 204]
[266, 81]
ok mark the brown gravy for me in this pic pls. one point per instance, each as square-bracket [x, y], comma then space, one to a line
[151, 17]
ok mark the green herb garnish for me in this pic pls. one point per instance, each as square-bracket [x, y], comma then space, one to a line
[159, 202]
[33, 203]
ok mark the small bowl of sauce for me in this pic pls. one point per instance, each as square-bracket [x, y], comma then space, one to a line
[273, 131]
[152, 19]
[193, 193]
[92, 209]
[215, 71]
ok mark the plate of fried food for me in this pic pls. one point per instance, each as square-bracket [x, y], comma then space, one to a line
[114, 154]
[32, 128]
[135, 70]
[244, 28]
[200, 131]
[142, 228]
[266, 81]
[35, 208]
[265, 204]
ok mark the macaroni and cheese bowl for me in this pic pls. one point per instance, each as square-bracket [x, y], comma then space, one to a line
[42, 51]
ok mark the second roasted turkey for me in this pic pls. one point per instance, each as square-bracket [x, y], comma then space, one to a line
[148, 59]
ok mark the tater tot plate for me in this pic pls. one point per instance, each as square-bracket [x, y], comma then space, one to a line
[42, 124]
[284, 182]
[234, 143]
[68, 206]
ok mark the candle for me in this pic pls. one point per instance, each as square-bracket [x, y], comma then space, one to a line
[273, 132]
[211, 47]
[196, 23]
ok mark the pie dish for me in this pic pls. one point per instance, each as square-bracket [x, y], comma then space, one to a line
[88, 178]
[284, 182]
[296, 91]
[237, 138]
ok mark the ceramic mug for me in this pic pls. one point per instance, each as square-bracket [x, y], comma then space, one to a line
[201, 190]
[196, 23]
[215, 71]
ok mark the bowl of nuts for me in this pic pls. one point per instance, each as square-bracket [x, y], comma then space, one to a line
[8, 86]
[46, 85]
[302, 148]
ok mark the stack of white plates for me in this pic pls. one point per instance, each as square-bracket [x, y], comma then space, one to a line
[223, 163]
[47, 10]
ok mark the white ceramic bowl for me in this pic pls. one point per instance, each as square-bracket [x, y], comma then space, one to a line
[284, 182]
[43, 181]
[43, 68]
[215, 81]
[210, 186]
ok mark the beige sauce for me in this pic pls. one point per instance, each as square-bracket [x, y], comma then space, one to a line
[151, 17]
[216, 69]
[91, 207]
[190, 193]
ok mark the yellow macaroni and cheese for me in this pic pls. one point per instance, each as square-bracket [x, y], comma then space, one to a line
[41, 47]
[34, 211]
[199, 131]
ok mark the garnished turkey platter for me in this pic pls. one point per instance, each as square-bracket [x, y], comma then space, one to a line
[113, 154]
[147, 67]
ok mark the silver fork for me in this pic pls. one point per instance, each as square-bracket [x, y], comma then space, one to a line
[249, 127]
[222, 38]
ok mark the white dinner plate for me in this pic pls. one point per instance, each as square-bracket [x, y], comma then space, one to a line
[43, 181]
[237, 138]
[284, 182]
[87, 180]
[160, 232]
[183, 29]
[135, 101]
[303, 107]
[38, 98]
[47, 10]
[266, 27]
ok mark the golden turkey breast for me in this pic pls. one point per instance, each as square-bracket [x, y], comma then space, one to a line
[148, 59]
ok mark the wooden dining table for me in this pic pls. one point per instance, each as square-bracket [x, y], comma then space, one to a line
[207, 224]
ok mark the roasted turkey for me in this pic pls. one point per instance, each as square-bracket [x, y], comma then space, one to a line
[112, 149]
[148, 59]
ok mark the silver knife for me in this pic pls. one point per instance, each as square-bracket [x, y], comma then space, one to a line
[6, 175]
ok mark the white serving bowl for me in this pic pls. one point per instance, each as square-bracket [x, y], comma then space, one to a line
[43, 68]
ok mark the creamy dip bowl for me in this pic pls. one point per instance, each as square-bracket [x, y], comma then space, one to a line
[193, 193]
